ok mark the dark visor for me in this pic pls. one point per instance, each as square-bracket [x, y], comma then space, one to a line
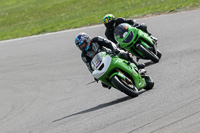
[120, 30]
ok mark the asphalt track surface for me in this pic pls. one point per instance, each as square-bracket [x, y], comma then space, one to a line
[43, 84]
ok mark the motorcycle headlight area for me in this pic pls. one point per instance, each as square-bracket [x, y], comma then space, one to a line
[93, 66]
[129, 38]
[96, 64]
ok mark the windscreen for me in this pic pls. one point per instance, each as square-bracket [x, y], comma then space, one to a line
[96, 61]
[121, 31]
[129, 38]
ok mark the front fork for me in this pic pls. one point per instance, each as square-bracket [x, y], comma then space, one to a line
[152, 49]
[155, 46]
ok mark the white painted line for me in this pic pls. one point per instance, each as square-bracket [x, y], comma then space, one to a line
[52, 33]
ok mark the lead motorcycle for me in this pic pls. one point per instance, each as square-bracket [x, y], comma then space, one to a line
[120, 74]
[137, 42]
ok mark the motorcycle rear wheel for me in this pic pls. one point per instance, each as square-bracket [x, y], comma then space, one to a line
[124, 87]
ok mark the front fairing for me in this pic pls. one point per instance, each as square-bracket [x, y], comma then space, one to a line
[133, 31]
[111, 64]
[140, 38]
[132, 70]
[100, 64]
[144, 36]
[147, 41]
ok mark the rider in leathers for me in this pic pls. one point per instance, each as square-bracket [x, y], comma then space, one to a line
[111, 23]
[90, 47]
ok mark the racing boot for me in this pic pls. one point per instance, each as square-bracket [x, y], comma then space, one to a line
[137, 59]
[154, 39]
[139, 65]
[106, 86]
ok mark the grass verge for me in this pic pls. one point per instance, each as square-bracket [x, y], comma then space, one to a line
[19, 18]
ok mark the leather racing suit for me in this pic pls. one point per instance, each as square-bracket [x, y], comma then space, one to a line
[99, 44]
[109, 33]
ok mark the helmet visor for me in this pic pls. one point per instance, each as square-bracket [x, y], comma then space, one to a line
[128, 38]
[82, 46]
[121, 31]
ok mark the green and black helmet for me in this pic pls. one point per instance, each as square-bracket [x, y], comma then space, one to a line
[123, 34]
[109, 21]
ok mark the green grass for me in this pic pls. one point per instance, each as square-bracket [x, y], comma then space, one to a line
[19, 18]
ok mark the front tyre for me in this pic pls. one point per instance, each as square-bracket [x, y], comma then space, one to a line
[125, 87]
[148, 54]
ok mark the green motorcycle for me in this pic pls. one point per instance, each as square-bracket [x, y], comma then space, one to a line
[137, 42]
[120, 74]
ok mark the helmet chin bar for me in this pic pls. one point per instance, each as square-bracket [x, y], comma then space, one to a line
[87, 46]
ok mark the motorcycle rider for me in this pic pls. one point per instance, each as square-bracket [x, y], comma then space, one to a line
[111, 23]
[90, 47]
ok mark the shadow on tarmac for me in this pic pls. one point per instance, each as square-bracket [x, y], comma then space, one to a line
[104, 105]
[120, 100]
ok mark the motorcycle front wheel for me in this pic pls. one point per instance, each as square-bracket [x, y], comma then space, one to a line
[148, 54]
[125, 87]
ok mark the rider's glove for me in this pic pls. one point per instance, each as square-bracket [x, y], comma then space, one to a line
[116, 51]
[117, 44]
[135, 23]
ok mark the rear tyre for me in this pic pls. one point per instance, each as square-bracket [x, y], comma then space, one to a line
[148, 54]
[149, 82]
[124, 87]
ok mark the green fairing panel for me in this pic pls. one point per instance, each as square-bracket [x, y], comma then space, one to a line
[122, 64]
[144, 36]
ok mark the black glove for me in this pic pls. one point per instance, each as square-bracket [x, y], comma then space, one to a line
[116, 51]
[117, 44]
[135, 24]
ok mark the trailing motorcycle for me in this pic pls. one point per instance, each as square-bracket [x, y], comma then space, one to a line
[120, 74]
[137, 42]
